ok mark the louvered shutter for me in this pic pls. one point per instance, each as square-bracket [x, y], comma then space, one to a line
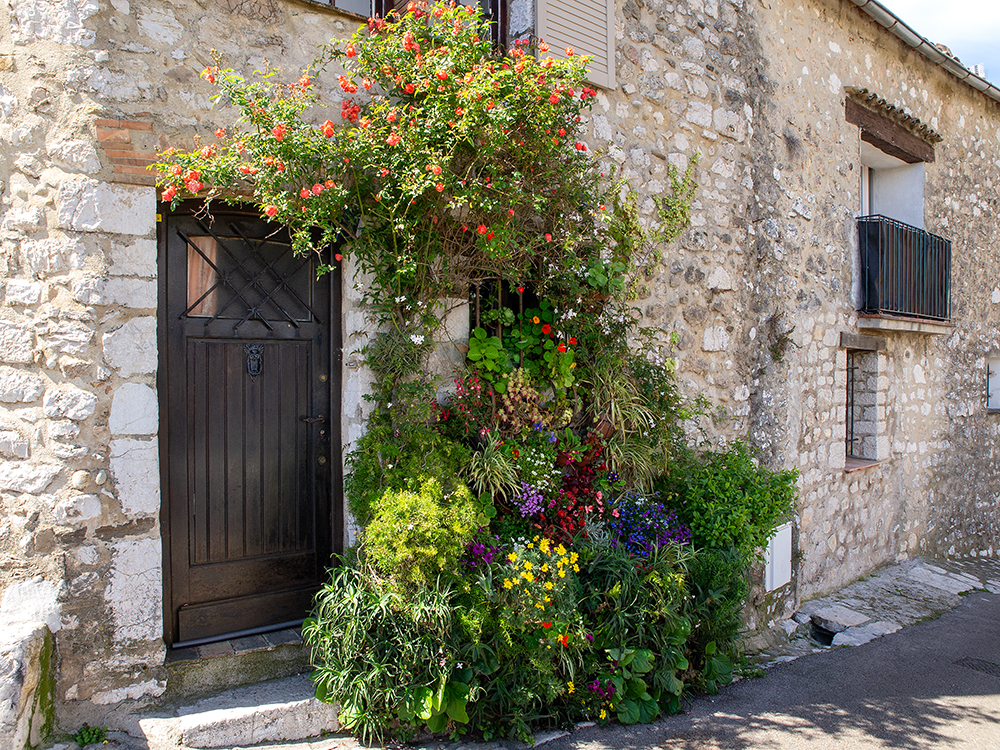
[588, 27]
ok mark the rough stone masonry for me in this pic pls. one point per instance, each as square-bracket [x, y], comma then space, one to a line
[759, 290]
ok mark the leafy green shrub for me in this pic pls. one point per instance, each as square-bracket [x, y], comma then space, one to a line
[728, 499]
[718, 581]
[418, 534]
[376, 650]
[402, 441]
[88, 735]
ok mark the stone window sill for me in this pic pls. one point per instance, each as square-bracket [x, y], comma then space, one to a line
[857, 464]
[902, 323]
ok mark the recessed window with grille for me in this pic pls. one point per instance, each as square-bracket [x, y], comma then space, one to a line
[993, 384]
[495, 11]
[862, 405]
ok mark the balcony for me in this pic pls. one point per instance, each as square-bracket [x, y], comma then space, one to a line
[905, 275]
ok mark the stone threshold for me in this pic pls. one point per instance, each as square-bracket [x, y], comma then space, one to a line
[237, 646]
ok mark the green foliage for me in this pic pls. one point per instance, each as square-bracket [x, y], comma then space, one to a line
[488, 356]
[730, 500]
[376, 650]
[417, 535]
[401, 442]
[88, 735]
[492, 471]
[674, 208]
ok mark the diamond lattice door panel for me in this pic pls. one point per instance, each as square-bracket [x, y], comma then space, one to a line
[249, 339]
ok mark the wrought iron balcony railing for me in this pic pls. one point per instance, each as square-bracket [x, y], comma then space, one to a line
[904, 270]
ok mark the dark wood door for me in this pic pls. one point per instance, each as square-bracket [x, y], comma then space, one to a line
[250, 449]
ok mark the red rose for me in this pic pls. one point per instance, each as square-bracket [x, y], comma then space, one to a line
[271, 210]
[481, 229]
[169, 193]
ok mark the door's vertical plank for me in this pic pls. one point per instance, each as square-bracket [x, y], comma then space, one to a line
[198, 448]
[253, 515]
[215, 423]
[235, 472]
[290, 428]
[272, 456]
[305, 438]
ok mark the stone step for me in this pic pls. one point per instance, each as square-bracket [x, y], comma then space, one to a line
[275, 711]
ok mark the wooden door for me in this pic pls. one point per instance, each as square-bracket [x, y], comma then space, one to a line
[249, 398]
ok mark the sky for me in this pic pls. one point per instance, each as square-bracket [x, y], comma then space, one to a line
[971, 28]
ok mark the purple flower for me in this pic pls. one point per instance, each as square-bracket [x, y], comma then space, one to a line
[529, 500]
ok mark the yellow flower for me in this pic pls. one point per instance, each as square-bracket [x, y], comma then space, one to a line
[535, 320]
[603, 715]
[545, 567]
[529, 545]
[506, 583]
[547, 600]
[574, 557]
[562, 573]
[528, 565]
[560, 550]
[528, 576]
[512, 556]
[570, 688]
[539, 605]
[576, 568]
[548, 585]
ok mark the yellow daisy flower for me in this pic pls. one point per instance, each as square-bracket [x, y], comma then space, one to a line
[506, 583]
[512, 556]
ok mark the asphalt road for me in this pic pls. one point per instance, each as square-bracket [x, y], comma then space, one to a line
[931, 685]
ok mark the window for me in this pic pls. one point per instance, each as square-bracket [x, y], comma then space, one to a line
[493, 10]
[993, 384]
[905, 271]
[585, 25]
[864, 400]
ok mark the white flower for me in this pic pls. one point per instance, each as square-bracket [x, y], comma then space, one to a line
[400, 299]
[417, 338]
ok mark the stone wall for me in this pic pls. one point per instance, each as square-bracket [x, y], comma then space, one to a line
[759, 289]
[933, 487]
[88, 92]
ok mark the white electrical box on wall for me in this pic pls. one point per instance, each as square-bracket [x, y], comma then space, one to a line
[778, 559]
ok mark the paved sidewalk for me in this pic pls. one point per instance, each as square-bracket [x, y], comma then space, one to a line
[914, 680]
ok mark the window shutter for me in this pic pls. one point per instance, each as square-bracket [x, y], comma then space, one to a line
[588, 27]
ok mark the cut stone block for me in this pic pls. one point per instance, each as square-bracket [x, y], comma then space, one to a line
[276, 711]
[953, 583]
[836, 618]
[864, 633]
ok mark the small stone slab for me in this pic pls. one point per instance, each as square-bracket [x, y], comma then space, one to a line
[542, 737]
[837, 618]
[953, 583]
[864, 633]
